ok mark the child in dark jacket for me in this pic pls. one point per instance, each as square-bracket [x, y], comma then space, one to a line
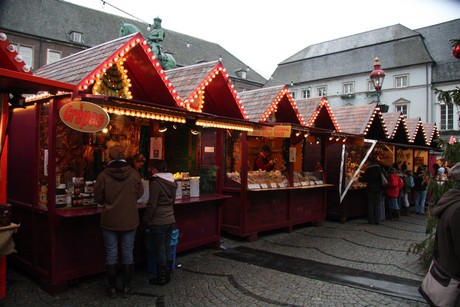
[395, 184]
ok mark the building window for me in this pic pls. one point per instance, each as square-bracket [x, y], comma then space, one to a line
[447, 116]
[401, 81]
[293, 94]
[306, 93]
[242, 73]
[402, 109]
[27, 53]
[53, 56]
[348, 88]
[321, 91]
[76, 37]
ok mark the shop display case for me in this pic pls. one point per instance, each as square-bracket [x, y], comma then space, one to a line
[266, 200]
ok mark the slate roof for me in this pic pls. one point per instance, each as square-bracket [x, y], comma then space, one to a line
[358, 120]
[207, 88]
[437, 41]
[149, 82]
[261, 103]
[55, 19]
[317, 113]
[351, 55]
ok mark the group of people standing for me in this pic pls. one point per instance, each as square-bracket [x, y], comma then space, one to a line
[118, 188]
[388, 190]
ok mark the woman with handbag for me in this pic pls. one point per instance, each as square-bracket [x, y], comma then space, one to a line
[441, 286]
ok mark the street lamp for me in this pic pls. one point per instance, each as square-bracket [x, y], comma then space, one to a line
[377, 77]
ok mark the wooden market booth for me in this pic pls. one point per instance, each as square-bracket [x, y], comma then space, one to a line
[15, 79]
[348, 198]
[292, 194]
[63, 242]
[390, 137]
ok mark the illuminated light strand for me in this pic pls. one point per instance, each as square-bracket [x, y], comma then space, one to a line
[220, 125]
[144, 114]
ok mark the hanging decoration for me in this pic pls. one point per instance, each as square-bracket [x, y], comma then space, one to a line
[455, 43]
[114, 82]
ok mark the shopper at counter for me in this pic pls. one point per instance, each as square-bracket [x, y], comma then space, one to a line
[263, 161]
[159, 216]
[137, 161]
[117, 188]
[373, 177]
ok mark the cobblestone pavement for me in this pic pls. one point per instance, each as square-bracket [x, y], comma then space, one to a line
[203, 279]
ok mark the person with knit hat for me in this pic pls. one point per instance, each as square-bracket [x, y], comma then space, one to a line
[446, 249]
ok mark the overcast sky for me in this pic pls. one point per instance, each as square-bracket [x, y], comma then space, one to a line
[263, 33]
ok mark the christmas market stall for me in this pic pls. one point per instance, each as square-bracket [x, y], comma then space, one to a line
[209, 96]
[276, 197]
[16, 79]
[345, 161]
[133, 103]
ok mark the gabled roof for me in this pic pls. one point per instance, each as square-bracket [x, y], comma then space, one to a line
[207, 88]
[431, 132]
[317, 113]
[15, 75]
[10, 59]
[83, 69]
[397, 128]
[364, 120]
[416, 131]
[261, 104]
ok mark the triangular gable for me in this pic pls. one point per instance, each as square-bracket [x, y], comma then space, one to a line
[271, 104]
[317, 113]
[416, 131]
[207, 88]
[142, 74]
[364, 120]
[10, 59]
[431, 132]
[397, 128]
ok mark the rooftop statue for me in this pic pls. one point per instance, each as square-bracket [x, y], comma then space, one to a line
[154, 40]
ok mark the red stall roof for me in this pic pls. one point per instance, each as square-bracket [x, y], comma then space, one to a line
[207, 88]
[15, 74]
[364, 120]
[317, 113]
[271, 104]
[149, 82]
[397, 128]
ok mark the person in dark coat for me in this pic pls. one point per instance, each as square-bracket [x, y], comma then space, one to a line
[118, 188]
[373, 177]
[159, 217]
[447, 211]
[263, 162]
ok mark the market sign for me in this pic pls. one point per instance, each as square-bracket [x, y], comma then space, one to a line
[270, 132]
[84, 116]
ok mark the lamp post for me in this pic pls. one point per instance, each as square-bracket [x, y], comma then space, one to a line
[377, 77]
